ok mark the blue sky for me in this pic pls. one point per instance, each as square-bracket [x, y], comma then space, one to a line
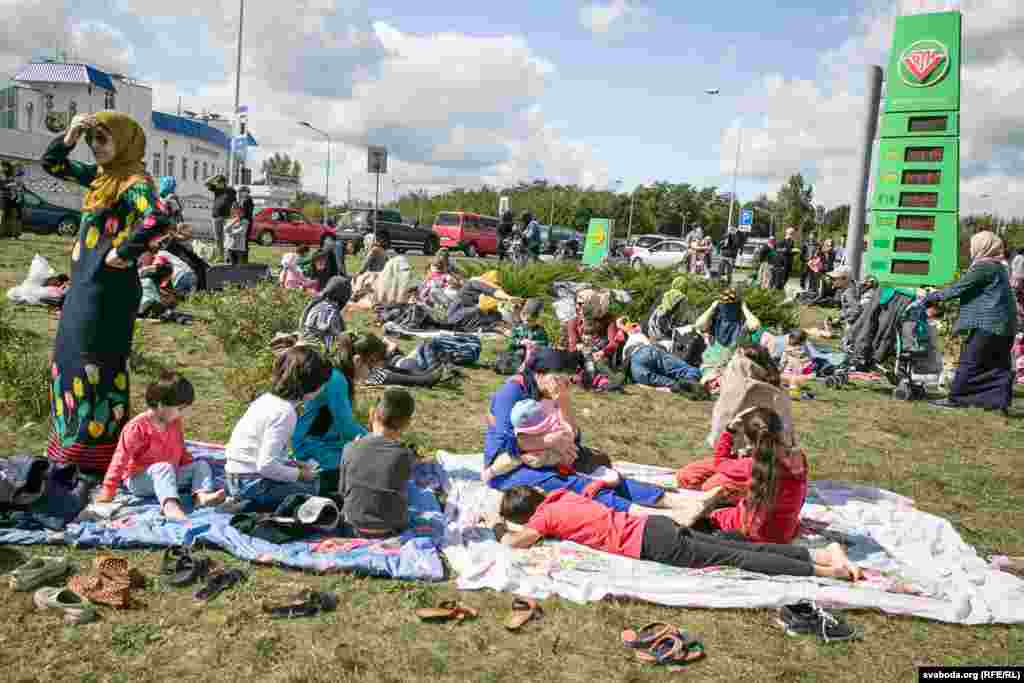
[626, 102]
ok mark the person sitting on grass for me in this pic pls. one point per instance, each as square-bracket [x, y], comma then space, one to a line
[156, 299]
[151, 458]
[291, 276]
[375, 471]
[651, 365]
[569, 516]
[257, 469]
[529, 331]
[323, 318]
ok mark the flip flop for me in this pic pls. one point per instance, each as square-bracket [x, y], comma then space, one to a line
[672, 648]
[188, 570]
[647, 635]
[304, 604]
[446, 611]
[220, 582]
[523, 610]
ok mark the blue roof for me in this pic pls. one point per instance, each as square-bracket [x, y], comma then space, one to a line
[58, 72]
[191, 128]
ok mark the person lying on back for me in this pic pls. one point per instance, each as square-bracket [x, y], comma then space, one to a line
[376, 469]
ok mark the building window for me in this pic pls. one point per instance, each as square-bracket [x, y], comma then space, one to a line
[9, 107]
[29, 109]
[206, 173]
[184, 168]
[108, 100]
[156, 163]
[170, 164]
[195, 172]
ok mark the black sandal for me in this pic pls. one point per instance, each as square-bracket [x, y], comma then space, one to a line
[305, 604]
[190, 568]
[220, 582]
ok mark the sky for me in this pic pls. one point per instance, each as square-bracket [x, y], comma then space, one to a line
[574, 91]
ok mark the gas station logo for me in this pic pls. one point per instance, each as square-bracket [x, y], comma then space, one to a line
[924, 63]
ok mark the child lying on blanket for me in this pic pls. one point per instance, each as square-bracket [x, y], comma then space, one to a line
[546, 435]
[568, 516]
[770, 483]
[375, 470]
[151, 458]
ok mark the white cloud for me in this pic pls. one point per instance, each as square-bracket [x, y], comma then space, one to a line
[615, 18]
[814, 126]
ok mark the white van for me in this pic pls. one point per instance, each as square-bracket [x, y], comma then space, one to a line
[748, 254]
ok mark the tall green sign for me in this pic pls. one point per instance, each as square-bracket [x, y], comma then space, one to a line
[914, 236]
[599, 236]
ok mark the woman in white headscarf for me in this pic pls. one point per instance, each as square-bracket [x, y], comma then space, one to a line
[988, 323]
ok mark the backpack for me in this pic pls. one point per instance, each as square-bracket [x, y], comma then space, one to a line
[690, 348]
[460, 349]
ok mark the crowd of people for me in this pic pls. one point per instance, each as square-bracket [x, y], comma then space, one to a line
[302, 436]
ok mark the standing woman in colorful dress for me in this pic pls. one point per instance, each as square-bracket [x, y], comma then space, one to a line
[89, 395]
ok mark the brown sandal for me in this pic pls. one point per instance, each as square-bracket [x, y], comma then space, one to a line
[523, 610]
[672, 648]
[447, 611]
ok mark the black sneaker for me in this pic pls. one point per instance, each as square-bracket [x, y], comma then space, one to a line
[807, 619]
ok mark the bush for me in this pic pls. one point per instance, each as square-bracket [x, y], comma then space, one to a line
[245, 383]
[24, 371]
[245, 320]
[645, 286]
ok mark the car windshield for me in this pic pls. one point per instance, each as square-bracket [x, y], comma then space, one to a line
[447, 219]
[647, 242]
[357, 218]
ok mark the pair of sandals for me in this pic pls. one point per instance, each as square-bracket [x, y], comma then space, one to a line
[181, 567]
[524, 610]
[663, 643]
[306, 603]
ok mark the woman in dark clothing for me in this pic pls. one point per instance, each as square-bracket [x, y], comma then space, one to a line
[988, 321]
[468, 312]
[120, 220]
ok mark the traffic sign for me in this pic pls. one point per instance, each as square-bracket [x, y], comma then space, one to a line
[377, 160]
[746, 219]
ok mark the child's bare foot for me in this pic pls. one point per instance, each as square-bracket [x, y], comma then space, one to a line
[208, 498]
[841, 561]
[173, 510]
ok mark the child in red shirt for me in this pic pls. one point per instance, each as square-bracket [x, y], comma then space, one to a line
[571, 517]
[151, 458]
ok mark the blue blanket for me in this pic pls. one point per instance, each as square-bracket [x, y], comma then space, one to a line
[138, 523]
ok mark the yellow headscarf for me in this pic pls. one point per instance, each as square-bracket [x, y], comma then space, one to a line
[491, 277]
[986, 246]
[125, 169]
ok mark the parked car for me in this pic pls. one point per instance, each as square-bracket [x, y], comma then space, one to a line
[276, 224]
[45, 217]
[641, 241]
[468, 232]
[355, 224]
[748, 253]
[553, 235]
[663, 254]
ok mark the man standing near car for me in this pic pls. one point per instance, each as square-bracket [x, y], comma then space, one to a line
[223, 199]
[531, 234]
[248, 209]
[729, 248]
[784, 266]
[504, 232]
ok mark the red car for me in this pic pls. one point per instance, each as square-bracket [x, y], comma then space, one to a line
[471, 233]
[276, 224]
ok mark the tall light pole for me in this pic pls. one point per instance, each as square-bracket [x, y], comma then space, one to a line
[327, 173]
[736, 168]
[238, 87]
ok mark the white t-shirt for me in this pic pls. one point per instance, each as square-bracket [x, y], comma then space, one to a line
[259, 442]
[1017, 266]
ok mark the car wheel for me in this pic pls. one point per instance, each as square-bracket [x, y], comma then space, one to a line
[399, 251]
[637, 263]
[472, 252]
[266, 238]
[67, 227]
[430, 247]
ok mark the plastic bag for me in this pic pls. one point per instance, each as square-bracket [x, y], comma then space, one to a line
[32, 290]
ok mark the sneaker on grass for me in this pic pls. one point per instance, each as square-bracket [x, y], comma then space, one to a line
[807, 619]
[39, 571]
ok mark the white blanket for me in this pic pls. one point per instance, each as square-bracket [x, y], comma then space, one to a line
[916, 563]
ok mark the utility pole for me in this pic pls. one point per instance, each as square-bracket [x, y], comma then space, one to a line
[551, 214]
[629, 227]
[858, 212]
[735, 172]
[349, 193]
[238, 85]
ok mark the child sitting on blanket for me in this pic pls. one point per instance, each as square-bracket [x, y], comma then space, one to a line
[151, 458]
[568, 516]
[796, 364]
[291, 277]
[257, 468]
[375, 470]
[769, 484]
[547, 438]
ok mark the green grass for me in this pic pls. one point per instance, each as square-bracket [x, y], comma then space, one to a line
[964, 467]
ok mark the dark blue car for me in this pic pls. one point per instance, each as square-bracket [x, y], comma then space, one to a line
[39, 215]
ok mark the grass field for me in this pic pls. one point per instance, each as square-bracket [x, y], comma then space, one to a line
[966, 467]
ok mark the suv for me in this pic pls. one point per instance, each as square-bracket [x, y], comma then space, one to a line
[355, 224]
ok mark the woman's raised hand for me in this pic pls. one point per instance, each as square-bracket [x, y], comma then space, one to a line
[79, 125]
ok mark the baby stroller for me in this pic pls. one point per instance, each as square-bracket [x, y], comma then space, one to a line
[913, 355]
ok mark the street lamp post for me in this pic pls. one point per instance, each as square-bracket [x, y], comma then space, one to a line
[238, 86]
[327, 172]
[736, 167]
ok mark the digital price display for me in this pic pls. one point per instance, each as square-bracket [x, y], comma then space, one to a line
[911, 222]
[933, 154]
[928, 124]
[910, 267]
[919, 200]
[922, 177]
[912, 245]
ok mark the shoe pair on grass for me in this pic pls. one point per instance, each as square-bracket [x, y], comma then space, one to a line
[40, 571]
[805, 618]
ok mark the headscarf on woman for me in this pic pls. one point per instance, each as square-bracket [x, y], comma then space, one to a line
[125, 169]
[168, 184]
[545, 359]
[986, 247]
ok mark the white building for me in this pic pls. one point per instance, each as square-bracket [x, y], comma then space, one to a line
[43, 98]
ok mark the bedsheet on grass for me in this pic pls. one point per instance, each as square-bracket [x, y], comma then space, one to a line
[915, 563]
[137, 523]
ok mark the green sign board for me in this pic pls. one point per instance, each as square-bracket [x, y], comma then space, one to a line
[914, 236]
[599, 236]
